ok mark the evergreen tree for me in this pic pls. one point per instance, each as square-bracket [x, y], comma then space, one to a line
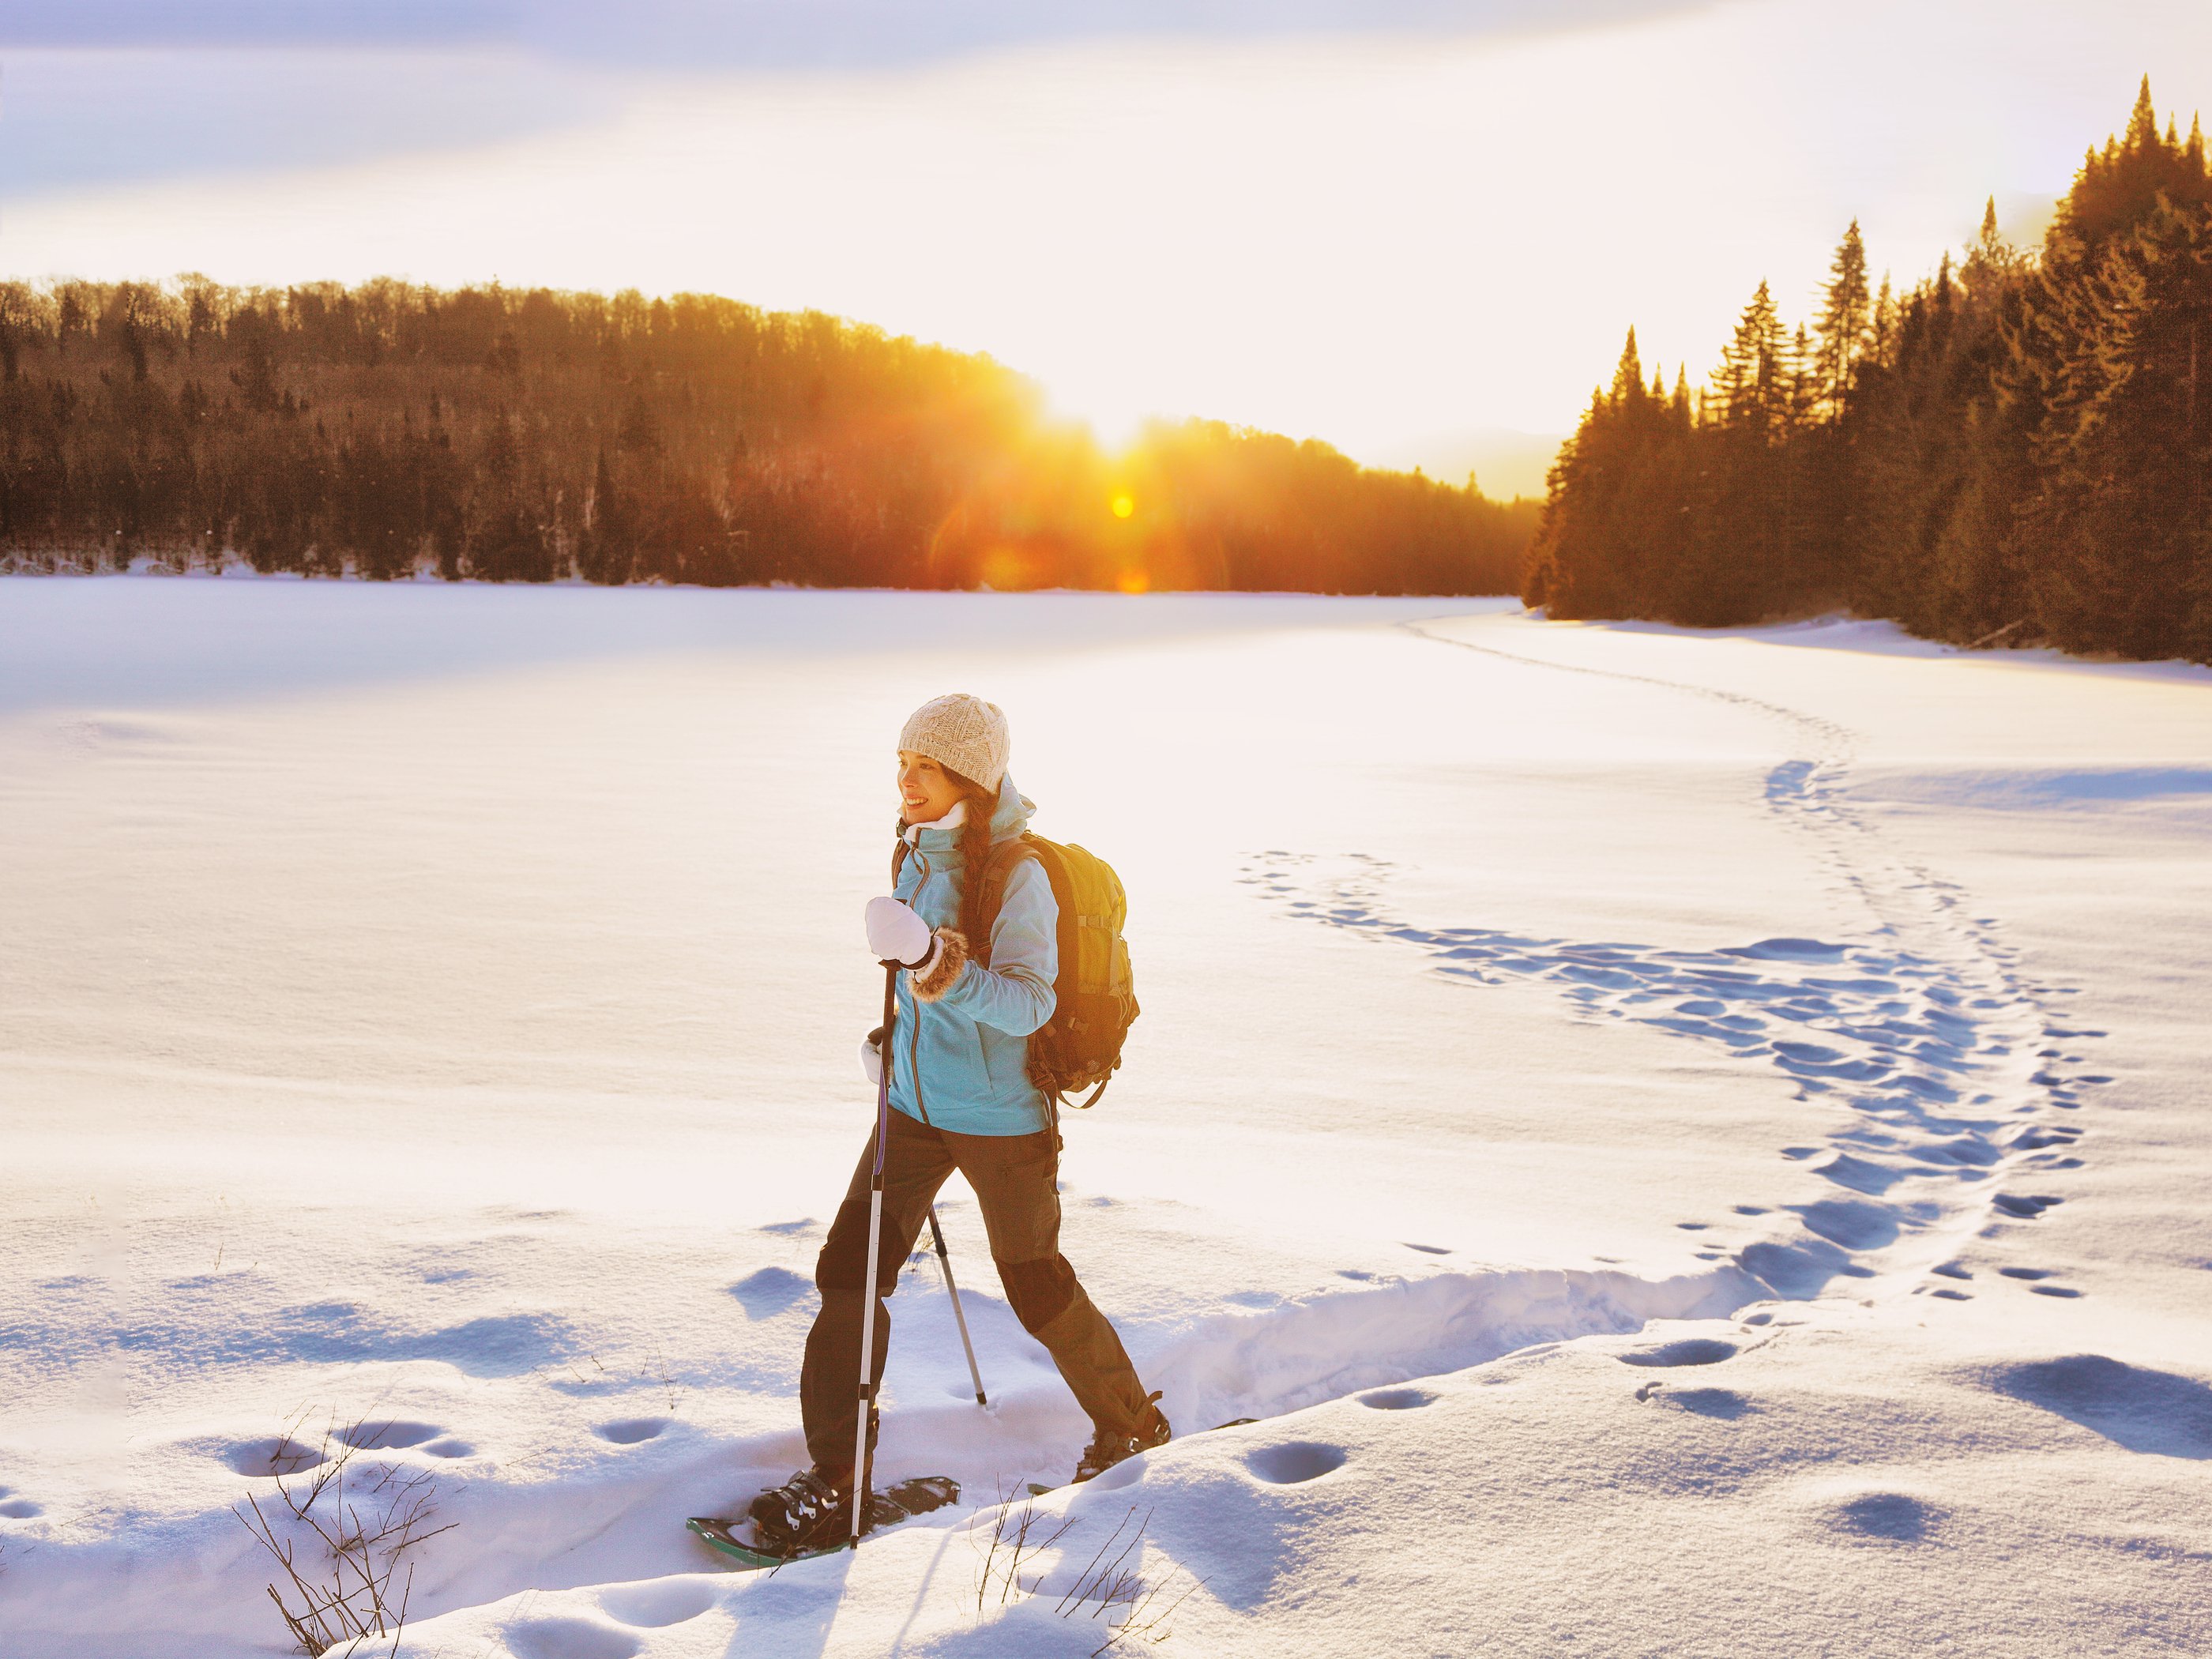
[1846, 321]
[2020, 447]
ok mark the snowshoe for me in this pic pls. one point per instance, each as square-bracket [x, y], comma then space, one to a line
[809, 1515]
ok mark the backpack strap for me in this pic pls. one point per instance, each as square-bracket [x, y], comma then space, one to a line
[898, 860]
[997, 870]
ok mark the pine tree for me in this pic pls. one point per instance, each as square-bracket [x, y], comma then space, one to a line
[1844, 320]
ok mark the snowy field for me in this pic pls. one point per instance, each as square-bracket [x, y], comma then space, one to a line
[1688, 1144]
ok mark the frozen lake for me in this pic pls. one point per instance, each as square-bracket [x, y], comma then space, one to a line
[436, 1006]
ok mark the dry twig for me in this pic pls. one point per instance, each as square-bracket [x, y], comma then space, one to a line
[367, 1522]
[1112, 1587]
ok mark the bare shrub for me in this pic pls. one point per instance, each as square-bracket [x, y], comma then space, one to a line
[1014, 1544]
[1113, 1587]
[364, 1521]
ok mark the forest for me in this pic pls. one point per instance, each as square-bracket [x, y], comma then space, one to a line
[391, 431]
[2018, 450]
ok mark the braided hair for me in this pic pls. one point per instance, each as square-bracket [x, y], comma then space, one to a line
[975, 854]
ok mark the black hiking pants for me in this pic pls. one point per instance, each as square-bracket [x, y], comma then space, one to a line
[1015, 1178]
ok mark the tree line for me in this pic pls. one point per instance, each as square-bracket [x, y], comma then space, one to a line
[2018, 449]
[390, 430]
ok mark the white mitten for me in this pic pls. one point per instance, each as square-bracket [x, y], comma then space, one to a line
[871, 1056]
[897, 933]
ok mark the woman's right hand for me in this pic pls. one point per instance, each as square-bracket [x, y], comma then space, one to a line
[897, 934]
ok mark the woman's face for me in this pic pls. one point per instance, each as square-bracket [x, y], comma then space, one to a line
[926, 792]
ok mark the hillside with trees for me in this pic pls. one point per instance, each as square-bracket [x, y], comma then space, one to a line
[389, 431]
[2018, 449]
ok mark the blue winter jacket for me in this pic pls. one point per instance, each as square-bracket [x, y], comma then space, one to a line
[972, 1041]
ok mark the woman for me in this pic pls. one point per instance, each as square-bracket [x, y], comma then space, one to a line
[961, 1099]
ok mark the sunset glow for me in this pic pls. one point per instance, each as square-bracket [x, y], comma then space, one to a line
[1431, 260]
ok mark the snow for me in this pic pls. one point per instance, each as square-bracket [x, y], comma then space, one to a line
[1688, 1143]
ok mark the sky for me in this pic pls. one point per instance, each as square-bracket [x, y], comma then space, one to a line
[1415, 229]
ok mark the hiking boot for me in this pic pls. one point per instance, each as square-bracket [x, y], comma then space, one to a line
[814, 1507]
[1105, 1450]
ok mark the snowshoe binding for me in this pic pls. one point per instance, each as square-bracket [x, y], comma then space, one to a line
[814, 1507]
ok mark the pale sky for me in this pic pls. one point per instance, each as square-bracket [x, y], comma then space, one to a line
[1412, 228]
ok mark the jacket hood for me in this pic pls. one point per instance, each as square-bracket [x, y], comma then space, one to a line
[1010, 819]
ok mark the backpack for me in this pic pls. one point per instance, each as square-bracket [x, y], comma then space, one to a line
[1095, 995]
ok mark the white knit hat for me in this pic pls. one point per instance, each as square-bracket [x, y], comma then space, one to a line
[963, 733]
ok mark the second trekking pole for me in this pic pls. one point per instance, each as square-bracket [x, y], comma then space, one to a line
[875, 1248]
[944, 1263]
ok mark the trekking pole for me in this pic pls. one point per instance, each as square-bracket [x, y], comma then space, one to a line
[944, 1262]
[875, 1247]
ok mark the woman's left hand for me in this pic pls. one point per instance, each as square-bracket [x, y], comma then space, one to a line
[897, 933]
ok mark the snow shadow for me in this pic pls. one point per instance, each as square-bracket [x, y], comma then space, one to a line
[790, 1611]
[325, 1332]
[770, 1291]
[2158, 1412]
[2044, 789]
[568, 1638]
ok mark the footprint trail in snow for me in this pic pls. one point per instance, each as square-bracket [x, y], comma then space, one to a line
[1952, 1069]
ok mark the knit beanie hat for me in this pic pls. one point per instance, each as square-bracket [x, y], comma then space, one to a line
[962, 732]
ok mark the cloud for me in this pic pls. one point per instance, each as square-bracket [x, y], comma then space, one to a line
[79, 120]
[767, 34]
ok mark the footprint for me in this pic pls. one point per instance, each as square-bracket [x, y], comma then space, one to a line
[658, 1602]
[1851, 1224]
[1294, 1462]
[1426, 1249]
[450, 1447]
[2023, 1207]
[390, 1436]
[569, 1638]
[804, 1224]
[2053, 1289]
[20, 1509]
[1953, 1270]
[771, 1291]
[278, 1455]
[1724, 1403]
[1689, 1351]
[2144, 1410]
[1397, 1400]
[2027, 1273]
[1788, 950]
[1895, 1517]
[1953, 1295]
[631, 1430]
